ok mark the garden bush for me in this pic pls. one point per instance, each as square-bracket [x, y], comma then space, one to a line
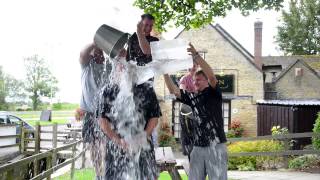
[305, 162]
[165, 136]
[316, 129]
[254, 162]
[235, 130]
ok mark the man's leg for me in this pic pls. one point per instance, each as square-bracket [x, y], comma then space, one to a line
[216, 163]
[97, 157]
[197, 164]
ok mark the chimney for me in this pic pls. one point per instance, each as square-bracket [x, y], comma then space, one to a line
[258, 43]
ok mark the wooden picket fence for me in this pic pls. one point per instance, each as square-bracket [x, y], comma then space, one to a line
[36, 153]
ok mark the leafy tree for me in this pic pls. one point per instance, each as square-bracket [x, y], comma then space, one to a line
[3, 92]
[15, 90]
[299, 33]
[196, 13]
[40, 82]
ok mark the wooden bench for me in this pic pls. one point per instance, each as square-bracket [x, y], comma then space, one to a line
[167, 162]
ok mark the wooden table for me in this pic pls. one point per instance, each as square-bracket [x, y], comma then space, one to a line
[167, 162]
[74, 131]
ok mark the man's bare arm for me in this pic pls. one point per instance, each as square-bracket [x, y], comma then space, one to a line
[143, 43]
[107, 130]
[173, 89]
[85, 53]
[151, 125]
[204, 66]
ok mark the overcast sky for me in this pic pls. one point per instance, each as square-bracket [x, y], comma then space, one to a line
[58, 29]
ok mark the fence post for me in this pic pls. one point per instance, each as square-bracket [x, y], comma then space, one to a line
[48, 166]
[22, 143]
[286, 157]
[73, 161]
[54, 143]
[37, 147]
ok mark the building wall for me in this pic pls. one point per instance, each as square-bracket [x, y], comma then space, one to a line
[225, 58]
[303, 87]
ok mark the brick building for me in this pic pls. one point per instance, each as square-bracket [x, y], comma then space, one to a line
[245, 78]
[240, 77]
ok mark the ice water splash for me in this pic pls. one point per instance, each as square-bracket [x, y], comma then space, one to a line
[124, 111]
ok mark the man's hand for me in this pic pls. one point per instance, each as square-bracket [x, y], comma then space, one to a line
[140, 28]
[203, 65]
[192, 51]
[122, 53]
[121, 143]
[85, 54]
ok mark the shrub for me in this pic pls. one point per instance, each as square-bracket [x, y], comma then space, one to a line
[275, 130]
[254, 162]
[236, 130]
[304, 162]
[165, 136]
[316, 129]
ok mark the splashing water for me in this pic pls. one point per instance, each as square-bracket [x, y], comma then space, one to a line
[126, 121]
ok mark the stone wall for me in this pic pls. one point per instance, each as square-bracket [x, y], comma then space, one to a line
[302, 87]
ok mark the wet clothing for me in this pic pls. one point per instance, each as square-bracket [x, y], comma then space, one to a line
[207, 110]
[91, 73]
[134, 52]
[211, 160]
[91, 131]
[186, 136]
[120, 163]
[209, 153]
[148, 100]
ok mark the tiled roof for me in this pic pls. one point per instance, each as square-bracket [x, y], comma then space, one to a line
[314, 102]
[312, 60]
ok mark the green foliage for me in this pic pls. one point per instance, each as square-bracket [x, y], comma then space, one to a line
[253, 162]
[316, 129]
[11, 91]
[64, 106]
[235, 130]
[16, 90]
[299, 32]
[165, 136]
[194, 14]
[3, 92]
[305, 161]
[276, 130]
[39, 82]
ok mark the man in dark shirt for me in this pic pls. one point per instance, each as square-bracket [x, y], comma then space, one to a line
[117, 123]
[139, 51]
[209, 154]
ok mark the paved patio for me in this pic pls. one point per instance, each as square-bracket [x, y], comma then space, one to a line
[272, 175]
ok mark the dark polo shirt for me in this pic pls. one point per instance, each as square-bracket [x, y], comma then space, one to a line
[207, 110]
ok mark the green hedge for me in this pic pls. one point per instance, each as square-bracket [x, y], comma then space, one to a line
[316, 129]
[305, 162]
[254, 162]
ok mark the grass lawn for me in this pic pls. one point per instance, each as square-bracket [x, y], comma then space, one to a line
[88, 174]
[36, 114]
[59, 121]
